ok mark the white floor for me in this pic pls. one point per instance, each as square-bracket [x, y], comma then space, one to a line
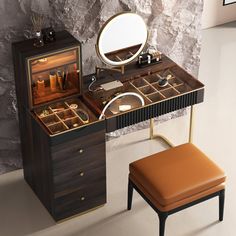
[214, 132]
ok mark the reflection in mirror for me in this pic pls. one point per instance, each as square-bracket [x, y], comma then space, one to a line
[122, 39]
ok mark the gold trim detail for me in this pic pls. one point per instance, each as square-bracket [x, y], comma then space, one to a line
[79, 214]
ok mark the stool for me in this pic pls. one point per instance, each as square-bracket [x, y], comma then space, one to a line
[175, 179]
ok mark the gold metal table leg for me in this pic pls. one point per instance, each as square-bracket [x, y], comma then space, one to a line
[190, 137]
[167, 141]
[158, 136]
[151, 128]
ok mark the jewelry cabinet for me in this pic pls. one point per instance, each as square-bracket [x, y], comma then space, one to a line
[62, 139]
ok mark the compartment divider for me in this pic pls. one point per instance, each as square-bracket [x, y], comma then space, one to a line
[64, 124]
[77, 116]
[141, 92]
[175, 89]
[161, 94]
[73, 111]
[67, 105]
[156, 91]
[57, 123]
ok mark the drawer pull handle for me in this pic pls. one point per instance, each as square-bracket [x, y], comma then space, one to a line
[81, 151]
[82, 198]
[81, 174]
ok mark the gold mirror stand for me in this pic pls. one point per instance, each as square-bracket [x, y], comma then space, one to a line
[120, 69]
[98, 69]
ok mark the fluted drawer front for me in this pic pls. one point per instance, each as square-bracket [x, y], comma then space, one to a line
[151, 111]
[93, 195]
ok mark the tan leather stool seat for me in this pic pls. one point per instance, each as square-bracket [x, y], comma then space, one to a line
[171, 177]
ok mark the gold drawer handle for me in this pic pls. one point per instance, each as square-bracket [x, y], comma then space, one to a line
[81, 174]
[81, 151]
[82, 198]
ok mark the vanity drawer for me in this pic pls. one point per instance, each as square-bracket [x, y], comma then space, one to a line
[80, 178]
[91, 156]
[77, 146]
[92, 196]
[153, 110]
[79, 171]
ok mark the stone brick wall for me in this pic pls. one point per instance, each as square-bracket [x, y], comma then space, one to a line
[174, 27]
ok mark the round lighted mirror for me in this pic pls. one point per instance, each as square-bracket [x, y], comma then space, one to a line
[122, 39]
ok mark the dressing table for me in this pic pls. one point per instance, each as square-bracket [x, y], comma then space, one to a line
[64, 116]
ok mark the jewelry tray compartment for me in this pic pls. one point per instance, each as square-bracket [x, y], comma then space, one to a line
[66, 115]
[179, 82]
[145, 85]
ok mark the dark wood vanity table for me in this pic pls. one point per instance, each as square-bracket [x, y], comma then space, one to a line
[183, 91]
[61, 127]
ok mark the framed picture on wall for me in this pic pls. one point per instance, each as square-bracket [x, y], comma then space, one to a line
[227, 2]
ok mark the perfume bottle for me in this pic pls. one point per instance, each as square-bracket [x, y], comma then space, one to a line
[40, 86]
[53, 81]
[60, 79]
[65, 77]
[38, 40]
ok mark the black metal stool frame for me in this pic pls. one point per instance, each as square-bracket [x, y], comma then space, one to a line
[163, 215]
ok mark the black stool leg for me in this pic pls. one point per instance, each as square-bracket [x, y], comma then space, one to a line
[130, 195]
[162, 221]
[221, 204]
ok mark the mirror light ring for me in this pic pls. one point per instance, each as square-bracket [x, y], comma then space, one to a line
[101, 55]
[118, 96]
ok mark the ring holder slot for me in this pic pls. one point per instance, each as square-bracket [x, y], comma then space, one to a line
[66, 114]
[50, 120]
[147, 90]
[43, 112]
[175, 82]
[82, 115]
[171, 92]
[82, 107]
[156, 86]
[183, 88]
[57, 128]
[73, 122]
[155, 97]
[152, 78]
[139, 83]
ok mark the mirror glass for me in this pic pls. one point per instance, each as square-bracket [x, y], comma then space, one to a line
[227, 2]
[122, 39]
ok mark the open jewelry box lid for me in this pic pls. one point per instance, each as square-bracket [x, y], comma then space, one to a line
[53, 71]
[54, 76]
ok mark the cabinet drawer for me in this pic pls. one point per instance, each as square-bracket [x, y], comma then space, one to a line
[75, 180]
[77, 146]
[82, 200]
[92, 156]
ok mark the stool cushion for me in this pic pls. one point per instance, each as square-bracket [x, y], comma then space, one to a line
[176, 174]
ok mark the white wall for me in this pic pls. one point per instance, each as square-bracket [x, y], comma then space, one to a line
[214, 13]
